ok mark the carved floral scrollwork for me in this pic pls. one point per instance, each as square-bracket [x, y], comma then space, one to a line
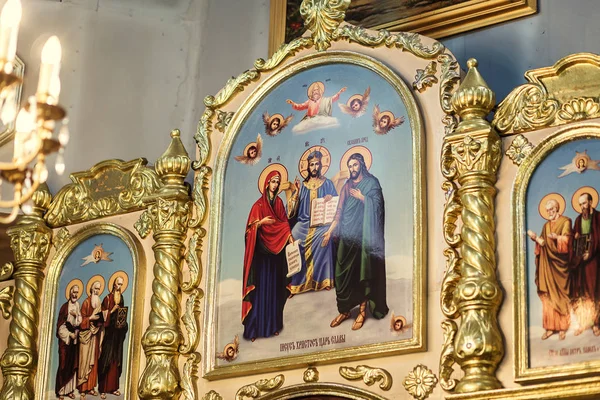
[189, 376]
[449, 79]
[6, 296]
[60, 238]
[369, 375]
[212, 395]
[322, 18]
[223, 120]
[284, 51]
[525, 108]
[310, 375]
[447, 358]
[263, 385]
[452, 210]
[448, 298]
[6, 271]
[191, 321]
[420, 382]
[578, 109]
[519, 149]
[192, 257]
[425, 78]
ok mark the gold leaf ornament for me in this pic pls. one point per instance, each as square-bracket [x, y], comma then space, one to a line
[426, 78]
[369, 375]
[322, 17]
[263, 385]
[519, 148]
[420, 382]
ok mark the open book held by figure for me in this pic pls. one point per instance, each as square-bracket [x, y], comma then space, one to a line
[323, 212]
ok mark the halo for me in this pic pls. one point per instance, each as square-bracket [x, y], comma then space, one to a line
[95, 278]
[581, 156]
[551, 196]
[579, 192]
[312, 85]
[400, 318]
[272, 167]
[229, 346]
[389, 114]
[272, 117]
[248, 147]
[354, 97]
[71, 284]
[118, 274]
[325, 161]
[366, 153]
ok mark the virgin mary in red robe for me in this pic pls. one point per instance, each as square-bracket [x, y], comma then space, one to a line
[266, 287]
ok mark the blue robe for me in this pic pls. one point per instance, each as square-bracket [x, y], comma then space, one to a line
[317, 262]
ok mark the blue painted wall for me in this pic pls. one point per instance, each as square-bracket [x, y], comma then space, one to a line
[505, 51]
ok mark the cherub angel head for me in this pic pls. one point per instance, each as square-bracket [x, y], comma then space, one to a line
[274, 124]
[384, 122]
[355, 104]
[252, 152]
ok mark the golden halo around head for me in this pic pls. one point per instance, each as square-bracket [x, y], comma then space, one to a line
[118, 274]
[389, 114]
[354, 97]
[584, 189]
[325, 160]
[93, 279]
[74, 282]
[278, 116]
[366, 153]
[581, 156]
[272, 167]
[312, 86]
[551, 196]
[248, 147]
[399, 318]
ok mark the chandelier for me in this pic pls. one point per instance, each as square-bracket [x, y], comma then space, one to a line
[36, 122]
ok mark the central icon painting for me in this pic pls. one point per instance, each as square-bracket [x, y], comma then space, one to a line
[319, 211]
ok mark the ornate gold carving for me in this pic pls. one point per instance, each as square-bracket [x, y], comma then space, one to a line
[143, 225]
[556, 95]
[284, 51]
[425, 78]
[192, 257]
[311, 375]
[6, 271]
[60, 238]
[169, 214]
[369, 375]
[109, 188]
[420, 382]
[408, 42]
[212, 395]
[322, 17]
[30, 242]
[190, 376]
[6, 296]
[191, 321]
[447, 359]
[264, 385]
[200, 195]
[223, 119]
[471, 157]
[519, 148]
[449, 78]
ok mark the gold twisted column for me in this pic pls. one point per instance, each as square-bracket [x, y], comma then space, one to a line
[30, 242]
[471, 157]
[167, 216]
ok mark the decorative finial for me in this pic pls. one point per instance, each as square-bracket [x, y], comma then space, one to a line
[41, 200]
[174, 164]
[473, 100]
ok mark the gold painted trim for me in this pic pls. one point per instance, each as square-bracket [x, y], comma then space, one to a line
[420, 382]
[255, 389]
[369, 375]
[50, 300]
[417, 343]
[521, 369]
[306, 390]
[435, 24]
[556, 95]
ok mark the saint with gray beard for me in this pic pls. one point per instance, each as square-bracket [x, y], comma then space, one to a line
[111, 358]
[89, 340]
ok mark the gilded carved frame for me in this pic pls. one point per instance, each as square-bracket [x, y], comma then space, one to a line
[138, 285]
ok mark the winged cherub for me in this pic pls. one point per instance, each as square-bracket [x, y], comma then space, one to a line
[357, 104]
[98, 254]
[385, 121]
[580, 163]
[275, 123]
[252, 152]
[231, 350]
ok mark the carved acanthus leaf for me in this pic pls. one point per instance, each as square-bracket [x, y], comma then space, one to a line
[190, 376]
[448, 299]
[6, 296]
[6, 271]
[452, 210]
[425, 78]
[191, 321]
[223, 120]
[322, 17]
[200, 196]
[192, 257]
[212, 395]
[369, 375]
[143, 225]
[285, 51]
[526, 108]
[264, 385]
[449, 79]
[60, 238]
[447, 359]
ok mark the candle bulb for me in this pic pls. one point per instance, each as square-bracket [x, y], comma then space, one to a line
[54, 90]
[9, 29]
[51, 55]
